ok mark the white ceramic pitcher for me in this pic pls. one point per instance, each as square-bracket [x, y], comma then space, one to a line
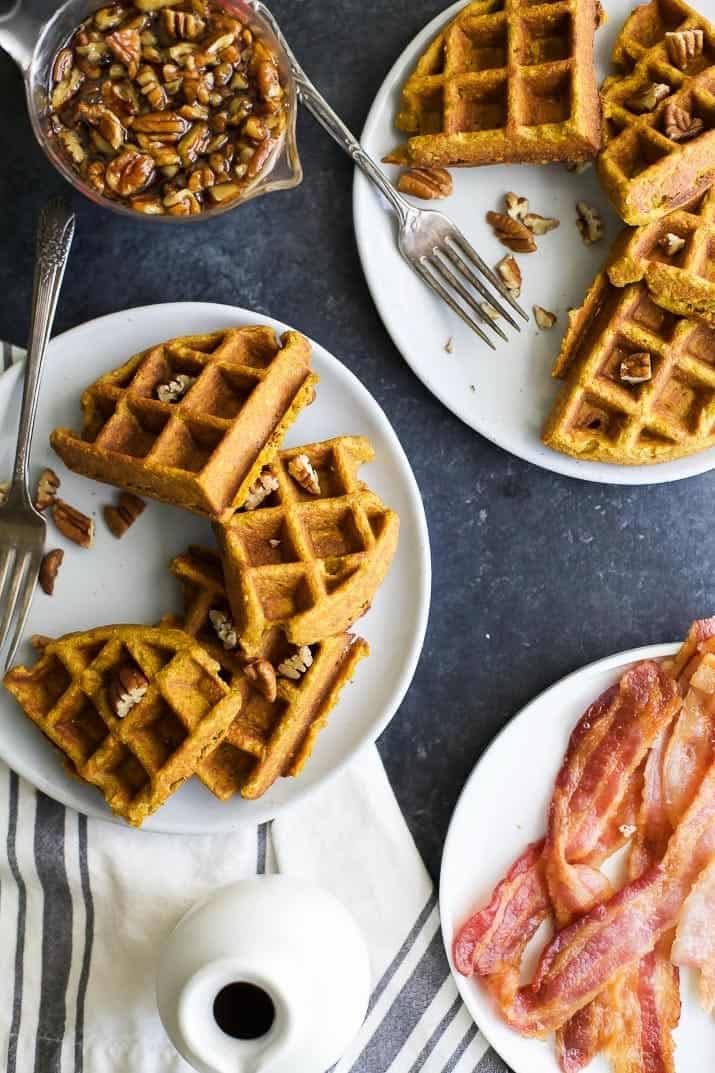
[276, 961]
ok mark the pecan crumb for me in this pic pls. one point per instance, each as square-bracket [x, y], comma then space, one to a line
[262, 487]
[449, 346]
[684, 46]
[274, 543]
[297, 664]
[671, 243]
[73, 524]
[636, 368]
[511, 232]
[589, 223]
[302, 470]
[426, 183]
[47, 487]
[225, 629]
[121, 517]
[175, 389]
[49, 569]
[127, 687]
[262, 675]
[544, 318]
[510, 273]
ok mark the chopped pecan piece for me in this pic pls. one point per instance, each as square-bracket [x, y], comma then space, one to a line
[49, 569]
[47, 487]
[516, 207]
[225, 629]
[175, 389]
[262, 487]
[589, 223]
[182, 24]
[73, 524]
[636, 368]
[426, 183]
[671, 243]
[512, 233]
[679, 124]
[121, 517]
[510, 273]
[127, 688]
[684, 46]
[648, 97]
[544, 318]
[540, 225]
[302, 470]
[296, 665]
[262, 675]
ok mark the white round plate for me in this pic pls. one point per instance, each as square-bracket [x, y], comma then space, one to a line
[504, 395]
[501, 809]
[129, 581]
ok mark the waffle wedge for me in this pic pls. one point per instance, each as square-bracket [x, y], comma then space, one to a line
[600, 417]
[676, 258]
[268, 738]
[140, 760]
[505, 82]
[309, 564]
[660, 112]
[204, 450]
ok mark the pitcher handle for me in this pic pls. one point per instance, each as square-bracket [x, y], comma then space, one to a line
[19, 32]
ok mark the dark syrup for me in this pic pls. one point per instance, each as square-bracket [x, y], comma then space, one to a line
[244, 1011]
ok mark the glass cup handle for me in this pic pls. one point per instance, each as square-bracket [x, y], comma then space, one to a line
[19, 31]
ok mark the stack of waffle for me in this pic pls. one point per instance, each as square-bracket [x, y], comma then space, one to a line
[638, 358]
[236, 688]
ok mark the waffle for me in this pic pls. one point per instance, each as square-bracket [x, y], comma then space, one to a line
[683, 280]
[505, 82]
[203, 451]
[267, 738]
[309, 564]
[139, 761]
[599, 417]
[645, 172]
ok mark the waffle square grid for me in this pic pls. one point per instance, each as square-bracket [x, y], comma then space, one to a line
[267, 739]
[597, 416]
[139, 761]
[308, 564]
[684, 281]
[505, 81]
[204, 451]
[645, 173]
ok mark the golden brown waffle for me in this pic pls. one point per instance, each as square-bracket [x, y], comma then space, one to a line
[139, 761]
[599, 417]
[676, 258]
[309, 564]
[268, 738]
[203, 451]
[505, 81]
[645, 172]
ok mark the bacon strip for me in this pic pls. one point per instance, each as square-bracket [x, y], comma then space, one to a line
[582, 958]
[690, 751]
[695, 938]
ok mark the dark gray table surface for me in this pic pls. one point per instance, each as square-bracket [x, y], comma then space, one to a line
[534, 574]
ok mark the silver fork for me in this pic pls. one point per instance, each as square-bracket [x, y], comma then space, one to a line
[430, 243]
[22, 527]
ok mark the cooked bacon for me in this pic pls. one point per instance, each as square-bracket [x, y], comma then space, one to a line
[695, 938]
[702, 630]
[582, 958]
[690, 751]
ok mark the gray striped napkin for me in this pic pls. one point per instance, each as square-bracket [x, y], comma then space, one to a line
[85, 905]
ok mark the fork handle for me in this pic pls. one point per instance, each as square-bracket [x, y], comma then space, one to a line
[316, 103]
[54, 238]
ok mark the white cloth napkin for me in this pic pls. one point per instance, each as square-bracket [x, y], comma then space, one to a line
[85, 905]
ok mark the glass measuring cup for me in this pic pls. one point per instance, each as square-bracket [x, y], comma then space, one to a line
[33, 43]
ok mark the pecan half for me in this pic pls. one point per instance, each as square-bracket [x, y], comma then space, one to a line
[589, 222]
[126, 46]
[544, 318]
[636, 368]
[679, 124]
[684, 46]
[73, 524]
[127, 687]
[130, 172]
[47, 487]
[512, 233]
[262, 675]
[121, 517]
[510, 273]
[301, 470]
[426, 183]
[49, 569]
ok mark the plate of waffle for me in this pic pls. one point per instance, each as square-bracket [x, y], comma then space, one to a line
[239, 571]
[578, 913]
[597, 212]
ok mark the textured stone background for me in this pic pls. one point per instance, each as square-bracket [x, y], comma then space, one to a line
[534, 574]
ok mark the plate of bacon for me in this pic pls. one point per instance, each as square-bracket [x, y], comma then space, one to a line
[579, 913]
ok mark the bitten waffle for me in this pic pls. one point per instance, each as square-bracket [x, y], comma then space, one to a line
[193, 421]
[599, 415]
[676, 258]
[660, 112]
[268, 738]
[505, 82]
[308, 563]
[140, 760]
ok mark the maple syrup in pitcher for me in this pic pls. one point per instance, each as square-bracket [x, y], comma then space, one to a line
[244, 1011]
